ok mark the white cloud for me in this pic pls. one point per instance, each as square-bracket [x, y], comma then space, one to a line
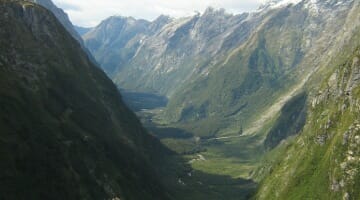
[91, 12]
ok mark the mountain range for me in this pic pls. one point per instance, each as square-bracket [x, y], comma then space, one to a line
[259, 105]
[215, 67]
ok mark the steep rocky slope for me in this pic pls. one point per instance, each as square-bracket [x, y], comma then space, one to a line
[64, 130]
[165, 52]
[108, 42]
[323, 161]
[274, 62]
[168, 59]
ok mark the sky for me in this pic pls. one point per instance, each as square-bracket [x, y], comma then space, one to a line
[89, 13]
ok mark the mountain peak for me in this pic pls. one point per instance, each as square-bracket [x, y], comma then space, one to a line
[213, 11]
[162, 19]
[271, 4]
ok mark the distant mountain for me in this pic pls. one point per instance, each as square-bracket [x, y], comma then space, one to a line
[115, 41]
[250, 84]
[216, 68]
[82, 30]
[161, 55]
[65, 132]
[108, 42]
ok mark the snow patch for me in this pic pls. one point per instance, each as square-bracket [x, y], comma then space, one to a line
[271, 4]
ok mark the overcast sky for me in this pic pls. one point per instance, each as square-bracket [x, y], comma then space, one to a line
[89, 13]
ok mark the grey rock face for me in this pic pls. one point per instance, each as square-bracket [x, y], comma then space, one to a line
[115, 40]
[165, 53]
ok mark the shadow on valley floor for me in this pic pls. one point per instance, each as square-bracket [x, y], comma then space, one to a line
[183, 181]
[169, 132]
[187, 183]
[138, 101]
[203, 186]
[178, 140]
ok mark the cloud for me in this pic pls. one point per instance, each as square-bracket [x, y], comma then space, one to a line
[90, 12]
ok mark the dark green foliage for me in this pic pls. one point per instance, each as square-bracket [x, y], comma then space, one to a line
[65, 132]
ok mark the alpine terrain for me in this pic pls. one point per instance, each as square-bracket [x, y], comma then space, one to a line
[213, 106]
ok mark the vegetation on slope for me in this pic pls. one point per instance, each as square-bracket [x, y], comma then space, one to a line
[64, 131]
[323, 162]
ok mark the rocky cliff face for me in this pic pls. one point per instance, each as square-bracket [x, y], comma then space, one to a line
[114, 41]
[64, 130]
[168, 51]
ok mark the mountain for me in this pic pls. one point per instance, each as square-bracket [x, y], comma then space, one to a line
[115, 40]
[162, 55]
[274, 62]
[108, 41]
[65, 132]
[323, 161]
[215, 68]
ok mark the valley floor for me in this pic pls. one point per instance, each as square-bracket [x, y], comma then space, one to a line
[225, 166]
[207, 168]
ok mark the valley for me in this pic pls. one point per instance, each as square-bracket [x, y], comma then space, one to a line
[212, 168]
[236, 86]
[212, 105]
[234, 156]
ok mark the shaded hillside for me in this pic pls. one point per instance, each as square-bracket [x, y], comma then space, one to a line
[64, 131]
[61, 16]
[323, 161]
